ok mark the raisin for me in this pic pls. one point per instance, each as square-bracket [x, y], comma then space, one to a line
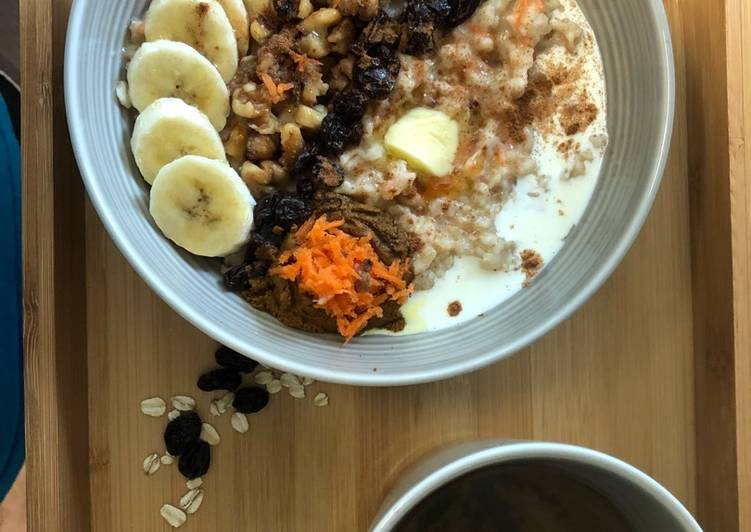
[219, 379]
[421, 18]
[377, 71]
[381, 30]
[250, 400]
[351, 104]
[237, 278]
[230, 359]
[461, 10]
[182, 432]
[276, 211]
[286, 10]
[314, 172]
[338, 133]
[195, 460]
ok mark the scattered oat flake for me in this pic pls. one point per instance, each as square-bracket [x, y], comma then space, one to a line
[194, 483]
[151, 464]
[307, 381]
[288, 380]
[173, 415]
[274, 386]
[167, 459]
[214, 410]
[153, 406]
[174, 516]
[209, 434]
[263, 377]
[219, 406]
[321, 399]
[297, 391]
[239, 422]
[192, 500]
[183, 403]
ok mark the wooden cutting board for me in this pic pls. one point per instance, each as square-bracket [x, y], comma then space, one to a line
[654, 369]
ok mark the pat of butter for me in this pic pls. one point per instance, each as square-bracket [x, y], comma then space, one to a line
[427, 139]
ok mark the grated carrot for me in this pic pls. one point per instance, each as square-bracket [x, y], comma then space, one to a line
[343, 274]
[276, 92]
[520, 11]
[301, 60]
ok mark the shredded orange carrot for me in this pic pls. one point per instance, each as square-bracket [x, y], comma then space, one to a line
[520, 11]
[276, 92]
[343, 274]
[301, 60]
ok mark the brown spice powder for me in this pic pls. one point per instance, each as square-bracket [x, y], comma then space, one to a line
[454, 308]
[531, 264]
[534, 105]
[578, 116]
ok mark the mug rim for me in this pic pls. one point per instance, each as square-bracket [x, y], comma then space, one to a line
[485, 453]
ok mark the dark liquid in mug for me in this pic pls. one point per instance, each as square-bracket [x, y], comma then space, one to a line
[518, 497]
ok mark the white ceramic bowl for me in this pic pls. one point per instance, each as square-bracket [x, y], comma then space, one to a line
[638, 61]
[647, 506]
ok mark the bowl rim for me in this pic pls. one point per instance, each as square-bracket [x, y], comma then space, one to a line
[457, 460]
[151, 276]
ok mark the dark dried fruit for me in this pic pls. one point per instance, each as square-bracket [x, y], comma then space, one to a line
[376, 72]
[461, 10]
[422, 18]
[337, 134]
[274, 215]
[195, 461]
[231, 359]
[182, 432]
[381, 30]
[250, 400]
[350, 104]
[314, 172]
[286, 10]
[219, 379]
[237, 278]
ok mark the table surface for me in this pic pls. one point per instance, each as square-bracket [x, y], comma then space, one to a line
[620, 376]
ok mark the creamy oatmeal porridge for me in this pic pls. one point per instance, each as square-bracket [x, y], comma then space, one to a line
[363, 165]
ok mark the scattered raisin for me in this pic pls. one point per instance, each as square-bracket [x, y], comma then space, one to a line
[195, 460]
[231, 359]
[250, 400]
[219, 379]
[350, 104]
[182, 432]
[337, 134]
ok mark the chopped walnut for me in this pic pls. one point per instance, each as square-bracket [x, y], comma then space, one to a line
[234, 146]
[261, 147]
[292, 144]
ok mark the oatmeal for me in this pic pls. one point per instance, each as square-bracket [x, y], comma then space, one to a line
[360, 164]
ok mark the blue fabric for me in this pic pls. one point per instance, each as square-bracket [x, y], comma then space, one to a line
[11, 324]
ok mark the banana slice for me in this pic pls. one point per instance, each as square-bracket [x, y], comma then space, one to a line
[238, 18]
[168, 129]
[202, 205]
[172, 69]
[201, 24]
[427, 139]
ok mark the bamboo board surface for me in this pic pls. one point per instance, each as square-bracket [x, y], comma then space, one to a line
[634, 373]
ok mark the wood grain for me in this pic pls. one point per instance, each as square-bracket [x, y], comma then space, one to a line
[620, 376]
[54, 296]
[738, 15]
[617, 377]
